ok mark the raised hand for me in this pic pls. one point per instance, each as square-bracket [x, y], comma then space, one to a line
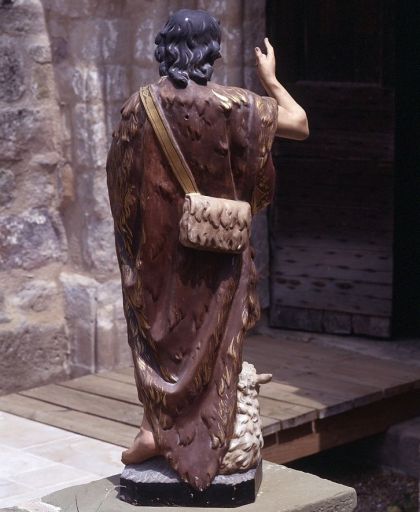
[266, 64]
[292, 122]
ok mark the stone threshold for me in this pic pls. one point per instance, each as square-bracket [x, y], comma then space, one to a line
[282, 490]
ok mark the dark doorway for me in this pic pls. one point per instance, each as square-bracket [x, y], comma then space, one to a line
[331, 226]
[407, 176]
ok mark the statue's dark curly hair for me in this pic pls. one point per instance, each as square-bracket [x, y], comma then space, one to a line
[187, 47]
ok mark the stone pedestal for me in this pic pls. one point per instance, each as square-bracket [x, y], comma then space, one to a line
[282, 490]
[155, 483]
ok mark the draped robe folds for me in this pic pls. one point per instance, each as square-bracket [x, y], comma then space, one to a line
[187, 310]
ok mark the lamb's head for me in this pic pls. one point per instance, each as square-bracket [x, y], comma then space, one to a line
[250, 381]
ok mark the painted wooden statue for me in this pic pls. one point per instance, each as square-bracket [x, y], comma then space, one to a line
[189, 307]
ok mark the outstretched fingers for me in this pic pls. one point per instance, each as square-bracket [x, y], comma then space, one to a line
[269, 47]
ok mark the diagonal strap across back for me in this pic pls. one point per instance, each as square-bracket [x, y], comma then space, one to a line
[167, 140]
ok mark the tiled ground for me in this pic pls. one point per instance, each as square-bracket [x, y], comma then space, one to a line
[37, 459]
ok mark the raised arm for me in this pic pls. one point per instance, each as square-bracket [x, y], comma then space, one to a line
[292, 122]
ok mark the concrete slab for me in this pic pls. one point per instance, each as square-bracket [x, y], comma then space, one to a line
[282, 490]
[38, 459]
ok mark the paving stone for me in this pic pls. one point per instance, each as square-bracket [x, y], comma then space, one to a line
[104, 458]
[54, 475]
[7, 486]
[31, 451]
[21, 433]
[14, 462]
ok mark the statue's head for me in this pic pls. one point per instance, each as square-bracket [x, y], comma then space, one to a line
[187, 47]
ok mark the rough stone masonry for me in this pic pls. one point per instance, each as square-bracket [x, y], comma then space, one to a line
[65, 69]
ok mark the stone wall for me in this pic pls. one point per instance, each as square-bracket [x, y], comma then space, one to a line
[65, 69]
[33, 243]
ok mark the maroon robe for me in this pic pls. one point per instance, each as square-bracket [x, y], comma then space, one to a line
[187, 311]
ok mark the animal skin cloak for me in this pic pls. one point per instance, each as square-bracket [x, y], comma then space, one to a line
[187, 310]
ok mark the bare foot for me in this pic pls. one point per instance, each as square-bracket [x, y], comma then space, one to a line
[143, 447]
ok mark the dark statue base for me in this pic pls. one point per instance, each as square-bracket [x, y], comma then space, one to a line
[155, 483]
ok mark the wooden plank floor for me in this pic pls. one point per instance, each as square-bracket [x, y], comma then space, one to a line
[319, 398]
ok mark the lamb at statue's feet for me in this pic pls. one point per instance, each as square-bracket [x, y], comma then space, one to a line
[143, 447]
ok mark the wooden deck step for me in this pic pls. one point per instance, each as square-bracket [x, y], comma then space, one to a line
[349, 371]
[68, 419]
[319, 397]
[100, 386]
[76, 400]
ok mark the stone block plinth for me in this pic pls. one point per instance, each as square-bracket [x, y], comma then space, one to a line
[282, 490]
[155, 483]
